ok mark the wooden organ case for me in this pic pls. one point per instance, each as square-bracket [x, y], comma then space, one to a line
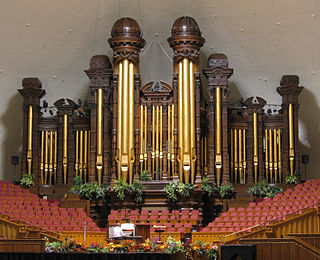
[170, 131]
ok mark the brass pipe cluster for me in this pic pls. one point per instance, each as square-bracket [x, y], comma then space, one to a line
[291, 140]
[157, 145]
[29, 151]
[143, 137]
[48, 157]
[238, 158]
[218, 141]
[171, 156]
[125, 121]
[99, 159]
[81, 154]
[273, 166]
[186, 120]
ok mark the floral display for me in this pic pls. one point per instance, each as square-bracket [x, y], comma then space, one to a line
[171, 246]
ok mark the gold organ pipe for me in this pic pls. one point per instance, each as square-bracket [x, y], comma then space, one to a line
[46, 158]
[291, 139]
[119, 120]
[145, 136]
[232, 155]
[236, 155]
[181, 125]
[279, 155]
[266, 154]
[186, 117]
[153, 154]
[270, 156]
[169, 141]
[81, 155]
[275, 155]
[42, 157]
[193, 123]
[131, 122]
[240, 156]
[55, 156]
[51, 158]
[77, 154]
[99, 162]
[65, 148]
[218, 135]
[85, 157]
[160, 142]
[255, 146]
[244, 155]
[157, 142]
[141, 136]
[172, 140]
[29, 151]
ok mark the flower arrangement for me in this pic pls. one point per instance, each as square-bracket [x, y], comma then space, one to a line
[200, 249]
[171, 246]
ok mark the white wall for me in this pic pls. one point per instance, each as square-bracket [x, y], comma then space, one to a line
[54, 40]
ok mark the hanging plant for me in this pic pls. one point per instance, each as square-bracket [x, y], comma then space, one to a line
[92, 191]
[176, 189]
[122, 189]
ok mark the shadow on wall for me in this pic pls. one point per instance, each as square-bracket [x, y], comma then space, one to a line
[309, 133]
[12, 138]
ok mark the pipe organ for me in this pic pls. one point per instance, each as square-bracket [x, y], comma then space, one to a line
[170, 131]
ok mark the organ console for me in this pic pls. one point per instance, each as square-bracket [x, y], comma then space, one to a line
[173, 132]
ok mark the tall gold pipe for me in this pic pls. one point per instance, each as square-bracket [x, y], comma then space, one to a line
[76, 166]
[240, 156]
[51, 158]
[244, 155]
[181, 124]
[236, 155]
[172, 141]
[65, 148]
[81, 155]
[157, 142]
[141, 136]
[186, 116]
[124, 157]
[169, 142]
[131, 122]
[42, 158]
[291, 140]
[255, 146]
[85, 157]
[153, 154]
[205, 156]
[232, 155]
[119, 120]
[270, 156]
[46, 158]
[279, 155]
[99, 162]
[218, 136]
[275, 155]
[145, 137]
[160, 142]
[192, 123]
[29, 152]
[55, 156]
[266, 154]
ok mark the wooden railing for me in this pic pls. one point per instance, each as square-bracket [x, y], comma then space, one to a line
[305, 223]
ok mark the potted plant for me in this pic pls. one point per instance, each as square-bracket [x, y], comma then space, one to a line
[291, 179]
[122, 189]
[206, 186]
[92, 191]
[175, 190]
[261, 190]
[225, 191]
[74, 192]
[144, 176]
[26, 180]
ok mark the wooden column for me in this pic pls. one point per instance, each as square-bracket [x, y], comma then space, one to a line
[32, 92]
[218, 74]
[100, 74]
[290, 90]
